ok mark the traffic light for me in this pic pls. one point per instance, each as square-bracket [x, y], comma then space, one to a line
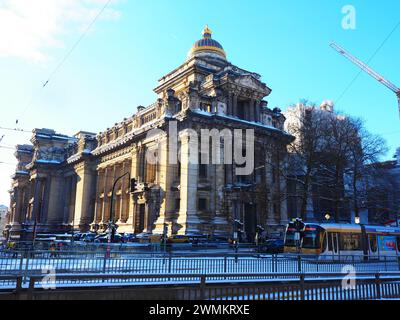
[238, 225]
[299, 224]
[133, 185]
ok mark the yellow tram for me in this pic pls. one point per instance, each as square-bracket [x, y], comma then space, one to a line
[343, 239]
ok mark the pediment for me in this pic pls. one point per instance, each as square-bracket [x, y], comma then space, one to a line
[250, 82]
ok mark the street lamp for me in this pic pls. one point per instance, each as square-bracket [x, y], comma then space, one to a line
[327, 216]
[357, 220]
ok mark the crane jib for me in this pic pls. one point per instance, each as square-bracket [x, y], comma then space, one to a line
[367, 69]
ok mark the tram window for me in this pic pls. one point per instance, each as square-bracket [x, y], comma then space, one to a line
[289, 239]
[330, 236]
[311, 239]
[350, 241]
[324, 235]
[373, 243]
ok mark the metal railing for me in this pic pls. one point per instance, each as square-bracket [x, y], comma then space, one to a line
[260, 286]
[28, 263]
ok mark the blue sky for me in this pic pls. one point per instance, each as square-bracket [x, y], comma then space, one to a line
[134, 43]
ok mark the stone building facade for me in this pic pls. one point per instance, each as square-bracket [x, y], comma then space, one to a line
[3, 219]
[64, 182]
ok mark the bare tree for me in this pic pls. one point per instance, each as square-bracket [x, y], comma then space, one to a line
[363, 153]
[307, 126]
[383, 195]
[341, 137]
[331, 151]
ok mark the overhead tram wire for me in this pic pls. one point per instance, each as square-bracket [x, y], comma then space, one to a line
[7, 147]
[368, 61]
[16, 129]
[8, 163]
[83, 34]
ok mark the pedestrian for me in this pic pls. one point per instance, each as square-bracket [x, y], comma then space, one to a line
[52, 250]
[12, 248]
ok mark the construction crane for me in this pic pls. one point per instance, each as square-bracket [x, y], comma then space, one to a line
[368, 70]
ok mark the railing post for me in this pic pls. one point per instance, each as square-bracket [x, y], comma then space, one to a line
[225, 263]
[170, 262]
[105, 262]
[302, 286]
[18, 286]
[378, 286]
[21, 264]
[31, 287]
[202, 287]
[26, 267]
[273, 258]
[298, 263]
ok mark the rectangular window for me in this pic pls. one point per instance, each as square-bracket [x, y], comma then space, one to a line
[202, 204]
[151, 170]
[241, 110]
[203, 170]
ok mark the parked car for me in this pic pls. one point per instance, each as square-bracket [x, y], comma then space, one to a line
[103, 238]
[272, 246]
[88, 237]
[198, 239]
[178, 239]
[129, 237]
[78, 236]
[143, 237]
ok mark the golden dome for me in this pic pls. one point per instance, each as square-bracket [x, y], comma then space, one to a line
[207, 45]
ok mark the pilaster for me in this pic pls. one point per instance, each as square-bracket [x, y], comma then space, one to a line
[85, 192]
[188, 219]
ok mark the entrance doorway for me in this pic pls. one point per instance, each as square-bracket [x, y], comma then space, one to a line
[250, 222]
[140, 218]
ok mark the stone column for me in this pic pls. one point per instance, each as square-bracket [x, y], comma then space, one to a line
[229, 106]
[72, 198]
[166, 177]
[37, 200]
[234, 104]
[141, 165]
[188, 219]
[147, 217]
[85, 191]
[16, 218]
[220, 221]
[124, 187]
[270, 187]
[67, 198]
[257, 111]
[98, 202]
[118, 187]
[104, 211]
[51, 207]
[251, 109]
